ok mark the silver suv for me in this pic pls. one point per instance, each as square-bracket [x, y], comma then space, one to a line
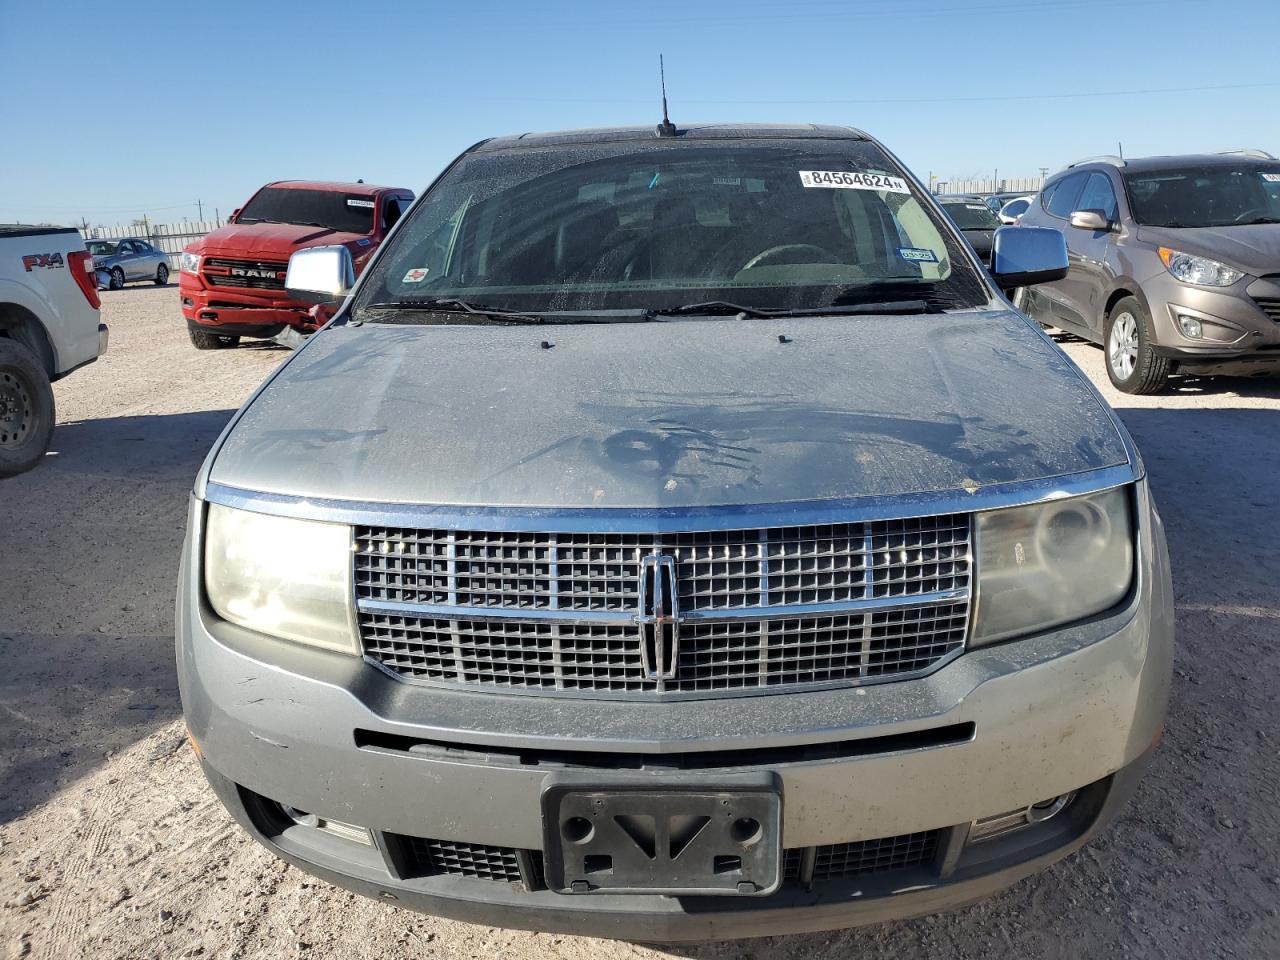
[1175, 264]
[675, 536]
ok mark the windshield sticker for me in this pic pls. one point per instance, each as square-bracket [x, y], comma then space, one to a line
[359, 203]
[727, 181]
[844, 180]
[1271, 177]
[974, 206]
[416, 275]
[918, 254]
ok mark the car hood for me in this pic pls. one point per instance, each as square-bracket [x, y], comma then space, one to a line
[980, 240]
[669, 415]
[269, 241]
[1255, 249]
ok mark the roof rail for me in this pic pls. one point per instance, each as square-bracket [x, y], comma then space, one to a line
[1250, 152]
[1105, 158]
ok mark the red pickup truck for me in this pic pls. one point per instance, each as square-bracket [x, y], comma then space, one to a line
[232, 280]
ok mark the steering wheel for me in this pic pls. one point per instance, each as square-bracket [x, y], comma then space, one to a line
[772, 252]
[1251, 213]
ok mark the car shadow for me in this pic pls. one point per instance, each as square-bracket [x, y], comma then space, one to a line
[89, 549]
[1201, 826]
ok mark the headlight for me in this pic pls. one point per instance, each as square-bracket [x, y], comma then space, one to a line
[1199, 270]
[190, 262]
[1051, 563]
[282, 577]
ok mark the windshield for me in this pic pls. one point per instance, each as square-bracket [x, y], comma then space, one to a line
[773, 224]
[1209, 196]
[101, 248]
[318, 208]
[971, 215]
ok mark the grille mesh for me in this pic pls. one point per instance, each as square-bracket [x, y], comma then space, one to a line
[1270, 306]
[844, 860]
[219, 279]
[720, 570]
[713, 656]
[478, 860]
[835, 862]
[733, 570]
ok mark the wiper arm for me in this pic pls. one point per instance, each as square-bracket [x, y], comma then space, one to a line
[451, 305]
[1257, 220]
[724, 308]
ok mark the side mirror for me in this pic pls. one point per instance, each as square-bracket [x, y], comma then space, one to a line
[320, 275]
[234, 213]
[1025, 256]
[1094, 220]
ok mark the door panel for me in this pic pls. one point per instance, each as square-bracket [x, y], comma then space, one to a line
[1089, 277]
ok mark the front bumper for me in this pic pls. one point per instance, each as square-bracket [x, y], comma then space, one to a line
[1076, 709]
[1241, 338]
[238, 313]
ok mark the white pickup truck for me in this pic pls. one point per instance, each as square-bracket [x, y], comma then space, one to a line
[48, 327]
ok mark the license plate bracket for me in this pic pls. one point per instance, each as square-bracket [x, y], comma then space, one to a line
[673, 838]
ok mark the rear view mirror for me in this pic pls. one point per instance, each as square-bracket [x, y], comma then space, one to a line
[320, 275]
[1024, 256]
[1094, 220]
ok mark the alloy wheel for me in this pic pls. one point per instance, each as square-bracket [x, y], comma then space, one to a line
[1122, 345]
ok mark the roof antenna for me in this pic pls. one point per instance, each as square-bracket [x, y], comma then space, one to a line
[666, 128]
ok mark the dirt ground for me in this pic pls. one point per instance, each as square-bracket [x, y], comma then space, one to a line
[112, 846]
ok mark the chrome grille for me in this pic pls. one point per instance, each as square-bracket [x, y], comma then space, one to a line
[716, 656]
[217, 271]
[758, 609]
[720, 570]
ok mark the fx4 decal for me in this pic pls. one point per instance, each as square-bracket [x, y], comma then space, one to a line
[50, 260]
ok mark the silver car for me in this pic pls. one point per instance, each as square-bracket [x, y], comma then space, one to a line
[1175, 264]
[675, 536]
[123, 261]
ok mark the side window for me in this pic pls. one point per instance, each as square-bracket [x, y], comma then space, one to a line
[390, 213]
[1046, 194]
[127, 249]
[1063, 202]
[1099, 195]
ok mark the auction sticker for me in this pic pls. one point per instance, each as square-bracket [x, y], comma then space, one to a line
[416, 275]
[359, 203]
[1271, 177]
[844, 180]
[918, 254]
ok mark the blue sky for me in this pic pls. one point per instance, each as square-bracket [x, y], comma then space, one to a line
[122, 109]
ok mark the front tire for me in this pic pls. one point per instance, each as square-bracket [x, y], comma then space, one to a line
[204, 340]
[117, 279]
[26, 409]
[1132, 365]
[162, 275]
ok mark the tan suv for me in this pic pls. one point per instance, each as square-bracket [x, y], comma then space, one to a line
[1175, 264]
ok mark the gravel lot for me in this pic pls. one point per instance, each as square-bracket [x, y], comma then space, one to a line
[111, 845]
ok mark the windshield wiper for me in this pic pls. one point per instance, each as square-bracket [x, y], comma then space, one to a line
[1256, 220]
[724, 308]
[452, 305]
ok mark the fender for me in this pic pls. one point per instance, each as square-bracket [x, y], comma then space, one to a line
[41, 309]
